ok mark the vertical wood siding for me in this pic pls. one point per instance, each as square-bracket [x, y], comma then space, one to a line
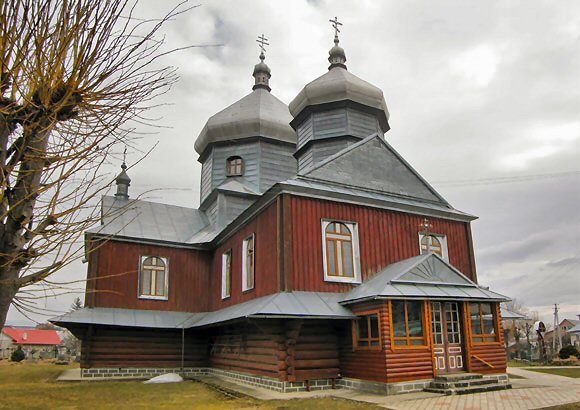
[116, 285]
[385, 237]
[264, 226]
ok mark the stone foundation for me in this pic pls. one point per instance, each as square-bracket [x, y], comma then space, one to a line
[138, 373]
[271, 383]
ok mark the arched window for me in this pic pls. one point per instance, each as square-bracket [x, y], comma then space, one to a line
[234, 166]
[339, 250]
[431, 243]
[153, 278]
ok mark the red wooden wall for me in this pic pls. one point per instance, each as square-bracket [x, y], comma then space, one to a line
[264, 226]
[385, 237]
[115, 266]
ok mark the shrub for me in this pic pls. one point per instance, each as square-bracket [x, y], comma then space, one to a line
[17, 355]
[568, 351]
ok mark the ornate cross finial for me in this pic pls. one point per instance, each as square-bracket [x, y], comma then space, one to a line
[335, 24]
[262, 41]
[124, 165]
[425, 225]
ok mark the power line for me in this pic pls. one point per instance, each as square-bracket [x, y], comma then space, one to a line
[505, 180]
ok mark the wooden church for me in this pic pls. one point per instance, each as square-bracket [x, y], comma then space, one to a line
[318, 258]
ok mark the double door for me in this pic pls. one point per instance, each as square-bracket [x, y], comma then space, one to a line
[447, 337]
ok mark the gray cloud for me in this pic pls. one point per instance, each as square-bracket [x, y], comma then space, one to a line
[475, 90]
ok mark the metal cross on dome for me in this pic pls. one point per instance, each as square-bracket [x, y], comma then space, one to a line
[335, 24]
[262, 41]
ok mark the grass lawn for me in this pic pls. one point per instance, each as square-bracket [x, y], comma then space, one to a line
[34, 386]
[567, 371]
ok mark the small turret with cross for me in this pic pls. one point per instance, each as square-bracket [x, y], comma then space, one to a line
[261, 70]
[336, 55]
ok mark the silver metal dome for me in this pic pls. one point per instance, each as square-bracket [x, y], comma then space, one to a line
[257, 114]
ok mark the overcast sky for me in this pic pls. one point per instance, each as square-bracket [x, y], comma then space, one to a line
[484, 100]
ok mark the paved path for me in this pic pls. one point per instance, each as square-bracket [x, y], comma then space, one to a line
[533, 391]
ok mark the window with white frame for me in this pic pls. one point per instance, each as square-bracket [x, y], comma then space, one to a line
[153, 278]
[248, 262]
[433, 243]
[340, 251]
[226, 274]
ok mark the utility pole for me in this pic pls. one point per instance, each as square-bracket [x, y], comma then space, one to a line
[556, 331]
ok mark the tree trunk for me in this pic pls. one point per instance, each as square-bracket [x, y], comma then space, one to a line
[7, 293]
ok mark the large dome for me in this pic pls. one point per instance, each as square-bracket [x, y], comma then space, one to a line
[257, 114]
[336, 85]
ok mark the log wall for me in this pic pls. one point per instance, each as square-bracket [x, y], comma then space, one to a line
[248, 347]
[130, 347]
[365, 364]
[316, 353]
[486, 357]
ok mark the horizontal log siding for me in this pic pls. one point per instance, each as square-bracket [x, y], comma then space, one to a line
[365, 364]
[493, 353]
[264, 226]
[404, 364]
[316, 354]
[126, 347]
[248, 348]
[385, 237]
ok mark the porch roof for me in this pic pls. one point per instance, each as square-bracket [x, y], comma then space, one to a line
[420, 277]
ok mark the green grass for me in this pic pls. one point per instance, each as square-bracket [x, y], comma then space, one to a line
[34, 386]
[567, 372]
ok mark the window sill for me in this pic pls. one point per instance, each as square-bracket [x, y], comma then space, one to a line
[248, 291]
[341, 279]
[160, 298]
[226, 297]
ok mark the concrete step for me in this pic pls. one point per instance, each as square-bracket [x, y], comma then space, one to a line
[463, 383]
[453, 377]
[471, 389]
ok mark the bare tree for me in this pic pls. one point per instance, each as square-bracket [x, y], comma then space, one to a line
[73, 75]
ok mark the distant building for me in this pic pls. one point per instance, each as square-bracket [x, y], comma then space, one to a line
[568, 336]
[36, 344]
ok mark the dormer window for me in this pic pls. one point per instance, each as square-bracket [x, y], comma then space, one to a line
[433, 243]
[234, 166]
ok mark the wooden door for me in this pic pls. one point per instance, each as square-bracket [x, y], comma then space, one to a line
[447, 337]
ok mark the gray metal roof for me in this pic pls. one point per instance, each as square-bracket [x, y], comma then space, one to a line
[257, 114]
[126, 317]
[334, 191]
[338, 84]
[508, 314]
[283, 305]
[424, 276]
[141, 219]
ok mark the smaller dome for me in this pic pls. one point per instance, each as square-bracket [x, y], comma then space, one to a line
[257, 114]
[338, 84]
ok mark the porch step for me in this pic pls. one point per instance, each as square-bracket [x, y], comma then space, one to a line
[465, 383]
